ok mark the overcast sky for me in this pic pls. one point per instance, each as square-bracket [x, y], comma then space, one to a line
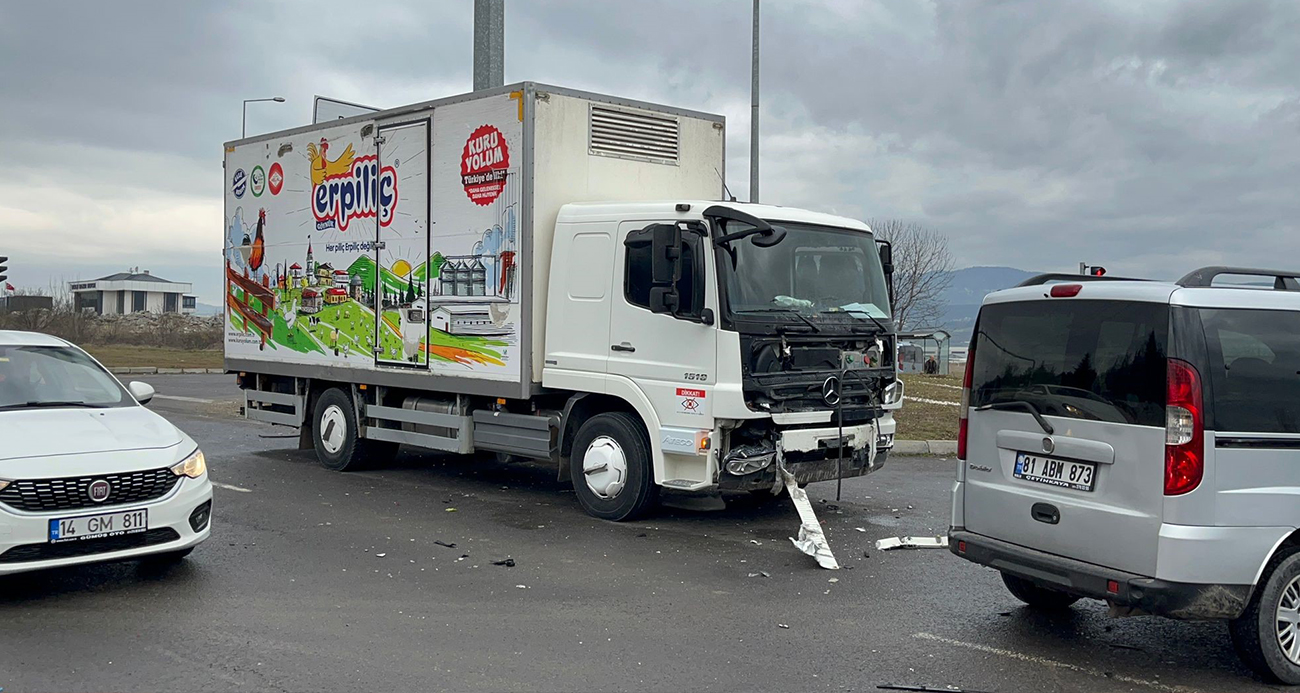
[1150, 137]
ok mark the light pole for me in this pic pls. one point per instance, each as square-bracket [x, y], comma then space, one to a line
[243, 125]
[753, 116]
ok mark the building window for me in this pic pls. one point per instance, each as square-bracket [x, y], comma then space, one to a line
[169, 303]
[188, 303]
[137, 301]
[121, 302]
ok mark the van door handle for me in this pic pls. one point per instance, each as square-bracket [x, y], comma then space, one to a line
[622, 347]
[1046, 513]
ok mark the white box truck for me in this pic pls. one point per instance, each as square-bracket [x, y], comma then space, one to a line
[550, 274]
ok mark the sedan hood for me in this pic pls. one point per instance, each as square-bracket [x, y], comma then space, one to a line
[54, 432]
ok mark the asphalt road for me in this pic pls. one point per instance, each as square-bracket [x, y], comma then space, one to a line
[321, 581]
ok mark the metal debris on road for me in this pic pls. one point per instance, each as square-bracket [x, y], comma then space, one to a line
[443, 543]
[761, 573]
[925, 689]
[940, 542]
[812, 540]
[782, 625]
[380, 555]
[508, 562]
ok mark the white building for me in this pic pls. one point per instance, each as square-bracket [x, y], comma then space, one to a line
[133, 292]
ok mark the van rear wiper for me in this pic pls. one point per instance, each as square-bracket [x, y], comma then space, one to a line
[1024, 406]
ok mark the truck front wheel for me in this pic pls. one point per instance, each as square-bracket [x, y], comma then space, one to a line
[336, 435]
[611, 467]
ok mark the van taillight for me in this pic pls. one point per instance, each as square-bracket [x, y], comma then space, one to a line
[1184, 429]
[962, 426]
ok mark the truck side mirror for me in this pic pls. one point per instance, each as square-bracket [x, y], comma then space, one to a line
[664, 299]
[666, 254]
[886, 256]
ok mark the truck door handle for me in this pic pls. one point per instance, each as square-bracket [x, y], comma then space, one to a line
[622, 347]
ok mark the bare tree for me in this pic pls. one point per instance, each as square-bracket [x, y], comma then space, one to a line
[922, 271]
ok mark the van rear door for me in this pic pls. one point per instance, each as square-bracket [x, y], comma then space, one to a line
[1093, 371]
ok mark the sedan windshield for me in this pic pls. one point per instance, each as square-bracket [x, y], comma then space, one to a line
[814, 270]
[40, 376]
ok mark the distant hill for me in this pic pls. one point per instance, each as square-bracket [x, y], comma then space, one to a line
[968, 289]
[206, 309]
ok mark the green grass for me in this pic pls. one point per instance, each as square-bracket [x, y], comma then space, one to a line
[926, 420]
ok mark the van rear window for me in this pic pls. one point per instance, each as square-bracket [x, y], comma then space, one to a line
[1254, 366]
[1096, 360]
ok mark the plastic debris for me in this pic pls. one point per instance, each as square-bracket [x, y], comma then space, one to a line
[833, 580]
[443, 543]
[380, 555]
[925, 689]
[782, 625]
[860, 529]
[509, 562]
[755, 542]
[450, 510]
[812, 540]
[912, 543]
[522, 587]
[761, 573]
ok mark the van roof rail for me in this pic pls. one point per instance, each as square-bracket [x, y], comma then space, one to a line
[1204, 277]
[1040, 279]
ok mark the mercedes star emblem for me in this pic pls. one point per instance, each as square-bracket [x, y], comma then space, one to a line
[831, 391]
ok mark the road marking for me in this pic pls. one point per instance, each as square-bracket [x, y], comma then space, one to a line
[954, 387]
[1033, 659]
[933, 401]
[231, 487]
[178, 398]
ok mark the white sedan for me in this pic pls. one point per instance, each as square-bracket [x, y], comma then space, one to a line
[87, 474]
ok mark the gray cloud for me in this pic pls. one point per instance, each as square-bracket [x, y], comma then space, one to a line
[1148, 136]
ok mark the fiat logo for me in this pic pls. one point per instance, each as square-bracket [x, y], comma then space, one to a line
[831, 391]
[99, 491]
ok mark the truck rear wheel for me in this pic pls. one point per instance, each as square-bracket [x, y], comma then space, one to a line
[336, 435]
[611, 467]
[1036, 595]
[1267, 635]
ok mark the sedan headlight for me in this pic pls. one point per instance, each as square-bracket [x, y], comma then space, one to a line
[193, 466]
[3, 484]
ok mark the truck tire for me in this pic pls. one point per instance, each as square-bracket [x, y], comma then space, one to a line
[611, 467]
[1036, 595]
[336, 435]
[1267, 634]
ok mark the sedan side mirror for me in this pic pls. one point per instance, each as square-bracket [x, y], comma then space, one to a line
[142, 392]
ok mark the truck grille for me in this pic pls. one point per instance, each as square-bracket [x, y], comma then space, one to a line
[72, 493]
[89, 547]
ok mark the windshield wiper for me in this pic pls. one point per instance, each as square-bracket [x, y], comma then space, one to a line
[863, 313]
[1024, 406]
[36, 404]
[791, 311]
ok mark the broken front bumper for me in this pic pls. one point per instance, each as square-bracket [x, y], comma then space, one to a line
[812, 454]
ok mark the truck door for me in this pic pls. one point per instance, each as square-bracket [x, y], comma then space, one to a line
[400, 287]
[671, 359]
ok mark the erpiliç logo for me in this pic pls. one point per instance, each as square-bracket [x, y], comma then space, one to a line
[363, 191]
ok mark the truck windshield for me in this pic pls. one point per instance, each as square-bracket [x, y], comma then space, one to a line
[814, 270]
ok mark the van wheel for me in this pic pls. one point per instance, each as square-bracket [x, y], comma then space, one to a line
[611, 468]
[1036, 595]
[1267, 634]
[335, 435]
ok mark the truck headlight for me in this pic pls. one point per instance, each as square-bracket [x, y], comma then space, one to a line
[193, 466]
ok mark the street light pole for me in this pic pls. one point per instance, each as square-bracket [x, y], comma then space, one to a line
[243, 125]
[753, 116]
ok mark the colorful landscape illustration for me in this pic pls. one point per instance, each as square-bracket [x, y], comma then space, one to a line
[312, 307]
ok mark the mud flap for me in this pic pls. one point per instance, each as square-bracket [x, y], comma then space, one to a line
[812, 540]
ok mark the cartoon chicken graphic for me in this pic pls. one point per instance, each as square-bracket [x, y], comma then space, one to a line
[258, 256]
[322, 167]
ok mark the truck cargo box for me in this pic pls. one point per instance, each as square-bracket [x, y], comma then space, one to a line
[410, 247]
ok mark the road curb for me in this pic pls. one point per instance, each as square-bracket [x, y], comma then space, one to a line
[154, 370]
[925, 447]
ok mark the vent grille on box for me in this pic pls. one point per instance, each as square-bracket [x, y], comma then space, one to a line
[634, 134]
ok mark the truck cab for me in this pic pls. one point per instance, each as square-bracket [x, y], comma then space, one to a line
[743, 338]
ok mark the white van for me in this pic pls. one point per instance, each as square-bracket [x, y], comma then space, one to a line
[1139, 442]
